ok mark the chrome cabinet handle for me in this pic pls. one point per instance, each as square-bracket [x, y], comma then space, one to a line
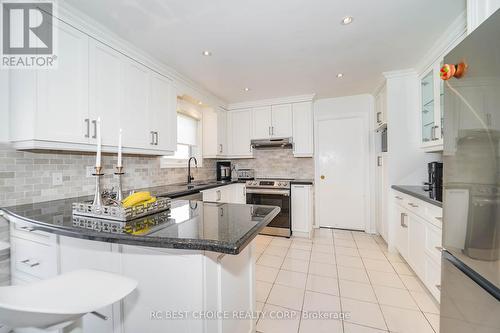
[94, 122]
[269, 130]
[403, 215]
[398, 197]
[156, 138]
[29, 229]
[152, 138]
[218, 195]
[378, 117]
[100, 315]
[221, 212]
[29, 263]
[412, 204]
[220, 148]
[272, 130]
[87, 121]
[379, 160]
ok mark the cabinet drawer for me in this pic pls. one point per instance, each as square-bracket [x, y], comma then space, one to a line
[433, 276]
[433, 242]
[26, 230]
[33, 258]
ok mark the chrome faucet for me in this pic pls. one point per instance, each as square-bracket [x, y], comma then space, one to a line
[190, 178]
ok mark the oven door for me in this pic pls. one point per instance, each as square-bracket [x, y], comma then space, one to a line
[280, 225]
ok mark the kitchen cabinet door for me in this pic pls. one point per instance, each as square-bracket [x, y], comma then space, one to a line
[240, 133]
[416, 243]
[210, 133]
[135, 113]
[238, 193]
[302, 114]
[163, 114]
[281, 121]
[222, 132]
[105, 90]
[62, 92]
[262, 122]
[302, 209]
[400, 217]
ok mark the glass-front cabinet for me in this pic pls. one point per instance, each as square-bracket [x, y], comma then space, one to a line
[431, 109]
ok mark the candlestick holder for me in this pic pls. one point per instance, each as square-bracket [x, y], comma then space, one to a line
[119, 192]
[97, 196]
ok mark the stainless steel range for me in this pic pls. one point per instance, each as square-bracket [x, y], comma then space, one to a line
[272, 192]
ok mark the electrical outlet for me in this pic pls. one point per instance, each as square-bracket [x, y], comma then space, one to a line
[57, 179]
[89, 171]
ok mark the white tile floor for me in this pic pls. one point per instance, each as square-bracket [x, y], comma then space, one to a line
[340, 271]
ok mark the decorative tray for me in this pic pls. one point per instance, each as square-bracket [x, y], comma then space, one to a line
[117, 212]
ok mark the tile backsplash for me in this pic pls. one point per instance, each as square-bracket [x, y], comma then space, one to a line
[279, 163]
[27, 177]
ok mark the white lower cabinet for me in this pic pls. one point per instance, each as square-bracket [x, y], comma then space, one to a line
[417, 237]
[302, 210]
[232, 193]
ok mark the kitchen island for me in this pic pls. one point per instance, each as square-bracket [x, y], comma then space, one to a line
[194, 264]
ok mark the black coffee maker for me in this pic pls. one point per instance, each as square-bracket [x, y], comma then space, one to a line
[223, 170]
[435, 184]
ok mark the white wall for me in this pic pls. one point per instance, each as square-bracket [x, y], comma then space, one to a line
[4, 105]
[362, 104]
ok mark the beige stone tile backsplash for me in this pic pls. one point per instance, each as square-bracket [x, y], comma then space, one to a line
[26, 177]
[278, 163]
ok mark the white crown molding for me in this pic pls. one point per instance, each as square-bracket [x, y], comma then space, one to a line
[272, 101]
[399, 73]
[97, 31]
[453, 35]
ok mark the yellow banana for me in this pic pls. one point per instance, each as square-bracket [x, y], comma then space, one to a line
[136, 198]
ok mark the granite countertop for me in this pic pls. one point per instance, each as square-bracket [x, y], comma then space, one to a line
[419, 193]
[218, 227]
[179, 190]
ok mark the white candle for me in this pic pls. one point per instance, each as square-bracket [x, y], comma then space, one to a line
[99, 148]
[120, 150]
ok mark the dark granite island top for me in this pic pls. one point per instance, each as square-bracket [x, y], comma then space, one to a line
[217, 227]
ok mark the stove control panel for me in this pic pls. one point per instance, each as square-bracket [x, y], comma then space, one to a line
[268, 183]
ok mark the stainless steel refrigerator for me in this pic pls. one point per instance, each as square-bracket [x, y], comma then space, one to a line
[470, 275]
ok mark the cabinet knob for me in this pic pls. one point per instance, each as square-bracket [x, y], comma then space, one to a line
[322, 177]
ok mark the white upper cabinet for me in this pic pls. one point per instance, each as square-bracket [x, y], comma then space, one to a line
[381, 107]
[135, 113]
[272, 121]
[62, 93]
[214, 133]
[431, 109]
[281, 126]
[303, 145]
[162, 113]
[58, 108]
[105, 99]
[478, 11]
[262, 122]
[239, 125]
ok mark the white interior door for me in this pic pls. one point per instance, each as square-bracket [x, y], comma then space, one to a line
[341, 172]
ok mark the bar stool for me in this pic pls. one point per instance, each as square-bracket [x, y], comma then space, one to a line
[61, 301]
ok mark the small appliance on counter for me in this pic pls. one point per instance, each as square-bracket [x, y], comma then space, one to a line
[246, 174]
[223, 171]
[435, 184]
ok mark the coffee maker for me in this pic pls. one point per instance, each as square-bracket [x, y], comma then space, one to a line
[223, 171]
[435, 182]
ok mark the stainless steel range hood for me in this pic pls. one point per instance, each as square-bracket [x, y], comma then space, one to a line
[277, 143]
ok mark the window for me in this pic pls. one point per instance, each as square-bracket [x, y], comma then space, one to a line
[188, 137]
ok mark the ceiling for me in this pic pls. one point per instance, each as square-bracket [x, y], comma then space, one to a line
[279, 48]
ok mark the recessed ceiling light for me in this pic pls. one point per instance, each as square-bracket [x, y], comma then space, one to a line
[340, 75]
[207, 53]
[347, 20]
[247, 89]
[200, 103]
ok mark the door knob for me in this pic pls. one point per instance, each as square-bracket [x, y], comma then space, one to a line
[322, 177]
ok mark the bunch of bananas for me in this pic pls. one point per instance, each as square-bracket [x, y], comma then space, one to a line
[138, 198]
